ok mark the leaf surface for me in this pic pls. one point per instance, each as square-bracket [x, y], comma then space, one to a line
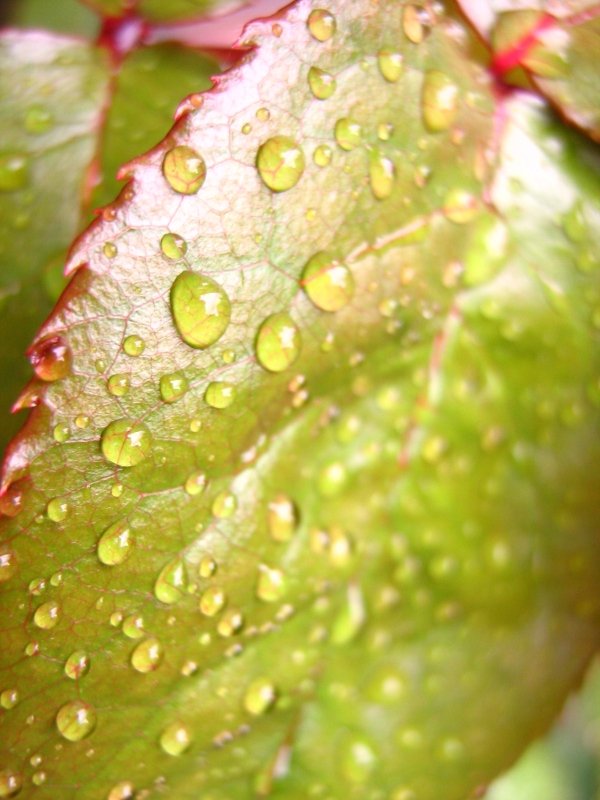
[324, 505]
[161, 11]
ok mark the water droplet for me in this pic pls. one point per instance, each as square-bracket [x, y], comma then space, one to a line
[200, 308]
[271, 585]
[76, 720]
[51, 359]
[321, 24]
[322, 84]
[9, 699]
[125, 442]
[357, 760]
[332, 479]
[280, 163]
[61, 432]
[390, 65]
[134, 346]
[212, 601]
[38, 120]
[14, 171]
[347, 133]
[11, 502]
[133, 626]
[32, 649]
[57, 509]
[147, 656]
[263, 114]
[175, 739]
[259, 697]
[282, 518]
[224, 504]
[220, 394]
[207, 567]
[322, 155]
[382, 173]
[460, 206]
[82, 421]
[110, 249]
[230, 623]
[118, 385]
[439, 101]
[47, 615]
[124, 790]
[278, 342]
[171, 584]
[11, 783]
[415, 22]
[184, 169]
[195, 483]
[8, 562]
[116, 543]
[77, 665]
[328, 283]
[173, 246]
[173, 386]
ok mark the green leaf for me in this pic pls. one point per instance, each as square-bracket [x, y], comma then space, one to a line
[161, 11]
[320, 517]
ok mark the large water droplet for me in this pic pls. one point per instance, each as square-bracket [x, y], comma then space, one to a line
[280, 163]
[200, 308]
[347, 133]
[76, 720]
[259, 697]
[14, 171]
[173, 246]
[115, 544]
[220, 394]
[382, 173]
[390, 65]
[47, 615]
[51, 359]
[278, 342]
[11, 783]
[175, 739]
[173, 386]
[322, 84]
[439, 101]
[184, 169]
[77, 665]
[125, 442]
[271, 585]
[8, 562]
[147, 656]
[171, 584]
[328, 283]
[282, 518]
[321, 24]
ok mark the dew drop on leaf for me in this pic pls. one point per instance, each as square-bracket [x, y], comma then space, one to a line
[147, 656]
[382, 173]
[259, 697]
[390, 65]
[134, 346]
[347, 133]
[230, 623]
[357, 760]
[321, 24]
[278, 342]
[460, 206]
[8, 563]
[322, 155]
[175, 739]
[321, 83]
[110, 250]
[201, 310]
[280, 163]
[9, 698]
[125, 442]
[271, 584]
[415, 23]
[220, 394]
[207, 567]
[173, 386]
[76, 720]
[57, 509]
[133, 626]
[11, 783]
[212, 601]
[439, 101]
[61, 432]
[171, 583]
[124, 790]
[14, 171]
[77, 665]
[118, 385]
[173, 246]
[328, 283]
[282, 518]
[47, 615]
[51, 359]
[195, 484]
[184, 169]
[116, 544]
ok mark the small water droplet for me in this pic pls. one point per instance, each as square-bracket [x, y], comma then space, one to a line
[278, 342]
[195, 483]
[14, 171]
[57, 509]
[38, 120]
[382, 173]
[224, 505]
[173, 386]
[322, 84]
[220, 394]
[260, 696]
[212, 601]
[207, 567]
[47, 615]
[332, 479]
[282, 518]
[134, 346]
[133, 626]
[184, 169]
[110, 250]
[321, 24]
[175, 739]
[82, 421]
[201, 310]
[230, 623]
[460, 206]
[125, 442]
[439, 101]
[173, 246]
[390, 65]
[32, 649]
[322, 155]
[9, 699]
[76, 720]
[271, 585]
[61, 432]
[116, 544]
[8, 562]
[51, 359]
[77, 665]
[357, 760]
[347, 133]
[147, 656]
[11, 783]
[124, 790]
[415, 23]
[280, 163]
[328, 283]
[118, 385]
[171, 583]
